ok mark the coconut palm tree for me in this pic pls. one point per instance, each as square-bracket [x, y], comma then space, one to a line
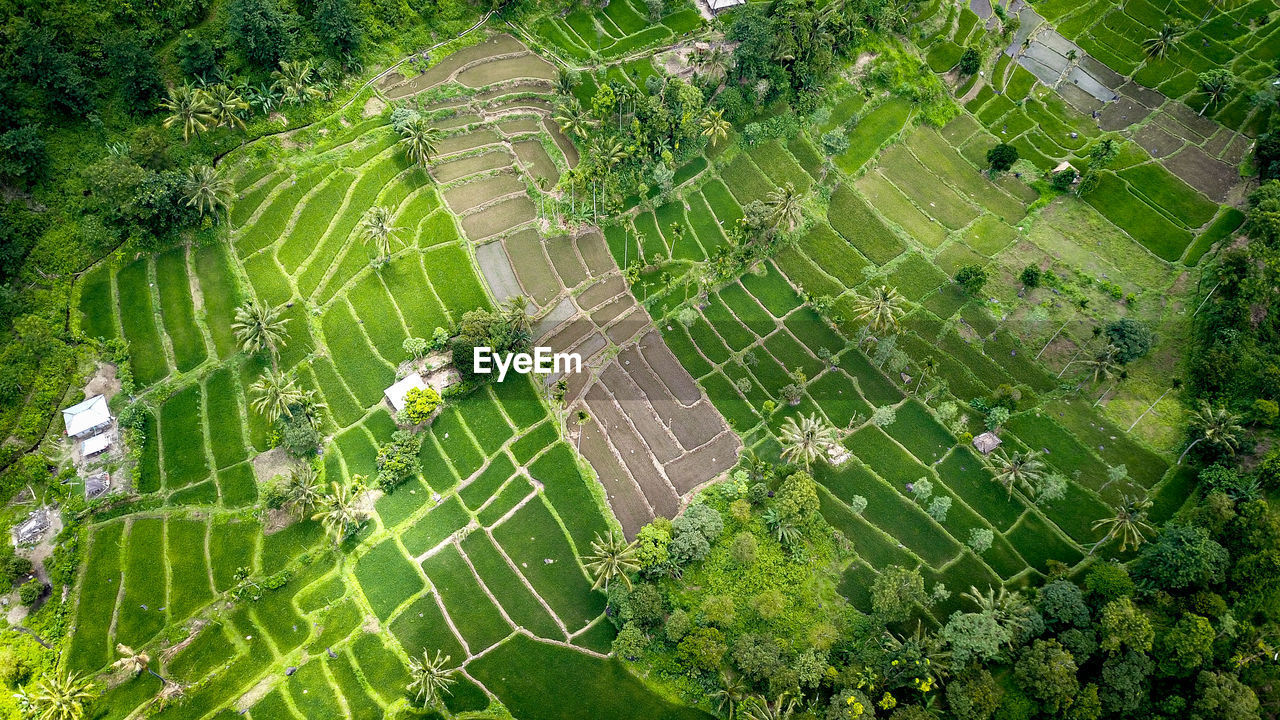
[61, 695]
[274, 394]
[259, 327]
[378, 230]
[784, 207]
[758, 708]
[419, 138]
[572, 120]
[714, 127]
[611, 557]
[226, 106]
[1216, 425]
[730, 695]
[338, 512]
[882, 308]
[1102, 365]
[807, 440]
[1021, 470]
[1007, 607]
[188, 107]
[430, 678]
[293, 81]
[207, 190]
[1129, 523]
[610, 152]
[1215, 83]
[714, 63]
[1159, 45]
[301, 491]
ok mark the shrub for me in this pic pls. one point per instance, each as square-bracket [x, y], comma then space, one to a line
[1131, 337]
[939, 508]
[30, 592]
[857, 504]
[419, 403]
[972, 278]
[415, 346]
[1063, 179]
[1030, 276]
[970, 62]
[835, 141]
[980, 539]
[677, 626]
[743, 549]
[1002, 157]
[629, 643]
[398, 460]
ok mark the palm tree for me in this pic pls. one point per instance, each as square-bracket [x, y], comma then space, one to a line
[61, 695]
[757, 708]
[1217, 426]
[610, 152]
[430, 677]
[187, 107]
[1007, 607]
[881, 309]
[611, 557]
[419, 139]
[293, 80]
[226, 106]
[274, 394]
[1129, 523]
[714, 63]
[572, 120]
[1157, 47]
[1215, 83]
[730, 695]
[207, 190]
[338, 512]
[131, 660]
[715, 127]
[807, 440]
[379, 230]
[784, 207]
[1021, 470]
[301, 491]
[259, 327]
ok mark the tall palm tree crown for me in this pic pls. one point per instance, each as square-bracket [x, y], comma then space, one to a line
[611, 557]
[882, 308]
[419, 138]
[61, 695]
[207, 190]
[338, 512]
[301, 490]
[784, 207]
[1022, 470]
[431, 677]
[1161, 43]
[807, 440]
[188, 108]
[378, 229]
[1129, 523]
[226, 106]
[259, 327]
[714, 127]
[274, 394]
[293, 80]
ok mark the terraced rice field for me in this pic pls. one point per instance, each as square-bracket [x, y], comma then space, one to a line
[479, 552]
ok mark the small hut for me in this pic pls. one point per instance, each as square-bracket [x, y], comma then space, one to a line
[87, 418]
[986, 442]
[395, 394]
[32, 528]
[95, 445]
[96, 486]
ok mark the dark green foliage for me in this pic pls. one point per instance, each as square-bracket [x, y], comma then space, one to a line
[1002, 157]
[22, 155]
[338, 25]
[1181, 558]
[1030, 276]
[972, 278]
[1133, 338]
[261, 31]
[970, 62]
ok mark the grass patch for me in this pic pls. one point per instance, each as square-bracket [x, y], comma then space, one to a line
[137, 318]
[475, 616]
[181, 436]
[852, 218]
[569, 493]
[519, 602]
[436, 526]
[387, 578]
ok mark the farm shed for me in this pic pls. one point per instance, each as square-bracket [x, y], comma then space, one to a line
[395, 394]
[32, 528]
[95, 445]
[96, 485]
[87, 418]
[986, 442]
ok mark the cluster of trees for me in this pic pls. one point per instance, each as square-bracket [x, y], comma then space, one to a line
[731, 603]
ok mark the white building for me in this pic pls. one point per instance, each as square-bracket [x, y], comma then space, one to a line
[94, 445]
[718, 5]
[87, 418]
[395, 394]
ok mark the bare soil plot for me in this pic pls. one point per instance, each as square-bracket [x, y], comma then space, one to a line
[498, 217]
[495, 71]
[496, 268]
[451, 170]
[564, 257]
[625, 498]
[1211, 177]
[462, 198]
[531, 266]
[536, 161]
[466, 141]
